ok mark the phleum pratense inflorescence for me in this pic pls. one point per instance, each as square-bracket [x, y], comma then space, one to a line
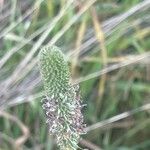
[62, 102]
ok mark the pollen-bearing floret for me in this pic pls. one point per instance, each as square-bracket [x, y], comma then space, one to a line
[62, 102]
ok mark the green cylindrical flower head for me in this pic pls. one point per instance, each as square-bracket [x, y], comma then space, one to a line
[54, 70]
[62, 100]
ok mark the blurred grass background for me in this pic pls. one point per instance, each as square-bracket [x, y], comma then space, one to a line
[107, 43]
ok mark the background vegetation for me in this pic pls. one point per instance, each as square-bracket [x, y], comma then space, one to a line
[107, 45]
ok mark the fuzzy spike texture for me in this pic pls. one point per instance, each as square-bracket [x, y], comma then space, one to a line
[62, 101]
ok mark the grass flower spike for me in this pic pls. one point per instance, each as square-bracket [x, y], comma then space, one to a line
[62, 100]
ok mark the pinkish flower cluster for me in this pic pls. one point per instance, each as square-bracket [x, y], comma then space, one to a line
[64, 117]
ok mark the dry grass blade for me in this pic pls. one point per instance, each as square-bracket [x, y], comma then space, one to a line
[114, 59]
[103, 54]
[89, 145]
[113, 67]
[80, 36]
[118, 117]
[20, 100]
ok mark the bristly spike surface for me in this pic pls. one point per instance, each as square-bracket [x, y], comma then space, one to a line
[61, 104]
[54, 70]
